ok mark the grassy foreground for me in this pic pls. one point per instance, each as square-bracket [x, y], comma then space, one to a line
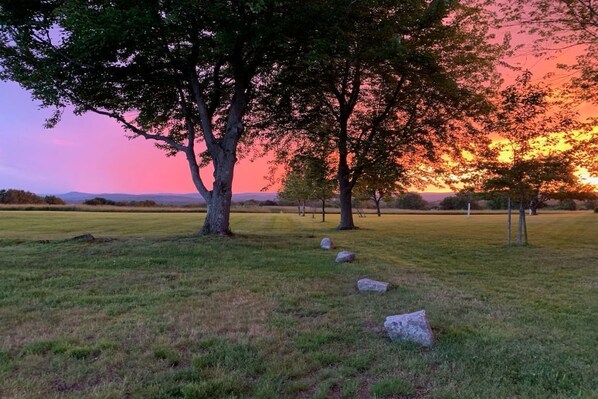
[157, 312]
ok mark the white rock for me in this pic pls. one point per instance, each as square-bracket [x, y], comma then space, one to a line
[411, 327]
[326, 243]
[365, 284]
[345, 256]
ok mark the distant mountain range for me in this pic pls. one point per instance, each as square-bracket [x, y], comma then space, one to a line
[192, 198]
[161, 198]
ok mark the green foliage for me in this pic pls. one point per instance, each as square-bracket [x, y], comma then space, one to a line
[308, 177]
[143, 204]
[6, 362]
[530, 123]
[99, 201]
[12, 196]
[567, 204]
[218, 353]
[382, 88]
[221, 388]
[411, 201]
[392, 387]
[459, 201]
[380, 180]
[590, 204]
[183, 73]
[496, 201]
[54, 200]
[43, 347]
[168, 354]
[104, 201]
[83, 352]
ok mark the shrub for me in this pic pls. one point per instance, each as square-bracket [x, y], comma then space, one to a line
[458, 201]
[99, 201]
[411, 201]
[568, 205]
[54, 200]
[12, 196]
[590, 205]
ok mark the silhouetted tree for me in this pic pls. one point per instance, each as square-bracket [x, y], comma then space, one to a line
[559, 25]
[99, 201]
[529, 122]
[380, 180]
[308, 178]
[413, 201]
[567, 204]
[182, 73]
[457, 202]
[384, 80]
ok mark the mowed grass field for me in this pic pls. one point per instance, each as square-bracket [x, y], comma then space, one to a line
[159, 312]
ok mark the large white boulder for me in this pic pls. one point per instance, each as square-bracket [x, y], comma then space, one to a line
[365, 284]
[410, 327]
[326, 243]
[345, 256]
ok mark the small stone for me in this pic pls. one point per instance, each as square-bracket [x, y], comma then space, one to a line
[345, 256]
[326, 243]
[84, 237]
[410, 327]
[365, 284]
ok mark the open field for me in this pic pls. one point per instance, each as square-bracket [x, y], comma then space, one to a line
[158, 312]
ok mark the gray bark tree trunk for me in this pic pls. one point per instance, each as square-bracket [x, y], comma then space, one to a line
[345, 191]
[217, 220]
[223, 152]
[509, 223]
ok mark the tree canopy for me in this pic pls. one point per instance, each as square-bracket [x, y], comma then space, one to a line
[385, 80]
[411, 200]
[525, 160]
[560, 25]
[308, 177]
[183, 73]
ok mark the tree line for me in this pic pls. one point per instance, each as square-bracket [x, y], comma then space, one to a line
[14, 196]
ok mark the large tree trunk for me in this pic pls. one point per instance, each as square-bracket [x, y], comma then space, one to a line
[345, 192]
[377, 202]
[217, 220]
[533, 206]
[509, 224]
[344, 181]
[224, 158]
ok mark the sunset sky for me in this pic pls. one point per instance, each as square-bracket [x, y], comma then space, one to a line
[90, 153]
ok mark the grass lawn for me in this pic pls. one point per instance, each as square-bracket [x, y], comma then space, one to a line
[159, 312]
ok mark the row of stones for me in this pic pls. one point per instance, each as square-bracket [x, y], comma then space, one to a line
[409, 327]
